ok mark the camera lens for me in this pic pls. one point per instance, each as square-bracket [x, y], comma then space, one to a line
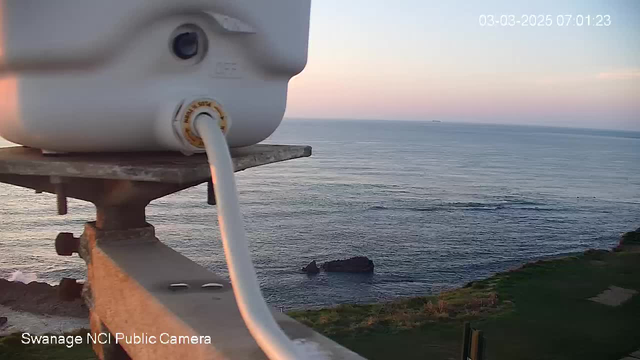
[185, 45]
[189, 44]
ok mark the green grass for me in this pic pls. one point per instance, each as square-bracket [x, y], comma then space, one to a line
[542, 312]
[11, 348]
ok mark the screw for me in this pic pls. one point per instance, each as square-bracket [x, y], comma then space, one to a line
[178, 286]
[211, 195]
[61, 199]
[61, 194]
[212, 286]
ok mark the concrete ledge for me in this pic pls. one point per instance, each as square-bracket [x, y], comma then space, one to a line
[130, 290]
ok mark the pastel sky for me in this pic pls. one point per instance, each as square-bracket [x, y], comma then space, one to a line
[431, 60]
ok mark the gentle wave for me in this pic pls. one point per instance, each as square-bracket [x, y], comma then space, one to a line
[472, 206]
[445, 205]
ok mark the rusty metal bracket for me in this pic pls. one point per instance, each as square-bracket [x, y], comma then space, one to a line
[138, 286]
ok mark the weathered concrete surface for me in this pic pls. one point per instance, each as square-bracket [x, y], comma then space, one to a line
[130, 293]
[166, 167]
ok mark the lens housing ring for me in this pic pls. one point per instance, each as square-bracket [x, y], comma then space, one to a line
[188, 44]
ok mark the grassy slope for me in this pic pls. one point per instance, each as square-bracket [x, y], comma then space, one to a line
[11, 348]
[539, 311]
[542, 312]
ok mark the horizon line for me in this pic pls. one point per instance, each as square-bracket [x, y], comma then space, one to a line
[436, 121]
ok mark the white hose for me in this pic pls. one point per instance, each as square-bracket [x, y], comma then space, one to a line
[254, 310]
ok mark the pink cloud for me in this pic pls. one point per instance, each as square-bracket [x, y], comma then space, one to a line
[620, 75]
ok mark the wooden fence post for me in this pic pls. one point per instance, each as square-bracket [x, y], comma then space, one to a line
[472, 343]
[466, 337]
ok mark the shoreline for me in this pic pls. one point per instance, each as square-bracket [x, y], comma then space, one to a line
[39, 298]
[542, 309]
[42, 299]
[518, 310]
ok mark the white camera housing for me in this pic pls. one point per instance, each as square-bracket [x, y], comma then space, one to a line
[97, 76]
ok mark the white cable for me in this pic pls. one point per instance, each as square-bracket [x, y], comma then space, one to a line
[254, 310]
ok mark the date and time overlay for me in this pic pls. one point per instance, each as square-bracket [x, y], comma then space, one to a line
[539, 20]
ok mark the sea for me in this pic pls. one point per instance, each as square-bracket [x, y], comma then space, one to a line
[433, 204]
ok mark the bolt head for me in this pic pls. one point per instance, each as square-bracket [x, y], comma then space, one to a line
[67, 244]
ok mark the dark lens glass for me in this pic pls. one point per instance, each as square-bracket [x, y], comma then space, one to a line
[185, 45]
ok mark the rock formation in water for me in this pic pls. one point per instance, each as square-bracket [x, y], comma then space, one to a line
[358, 264]
[631, 237]
[312, 268]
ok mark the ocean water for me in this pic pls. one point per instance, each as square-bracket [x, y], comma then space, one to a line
[434, 205]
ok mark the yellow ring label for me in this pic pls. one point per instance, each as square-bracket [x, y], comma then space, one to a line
[187, 120]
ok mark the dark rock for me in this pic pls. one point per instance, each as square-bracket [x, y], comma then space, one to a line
[358, 264]
[3, 320]
[312, 268]
[631, 237]
[39, 298]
